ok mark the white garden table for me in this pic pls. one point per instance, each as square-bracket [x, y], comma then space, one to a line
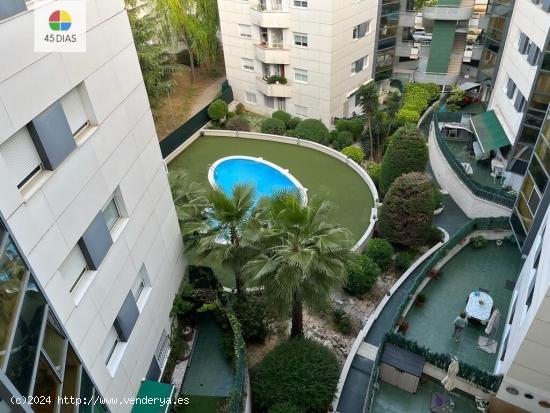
[479, 306]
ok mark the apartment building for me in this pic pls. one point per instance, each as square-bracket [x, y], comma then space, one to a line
[90, 247]
[306, 57]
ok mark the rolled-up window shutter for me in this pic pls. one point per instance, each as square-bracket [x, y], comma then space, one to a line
[523, 42]
[534, 53]
[74, 110]
[20, 156]
[510, 89]
[362, 29]
[73, 267]
[546, 5]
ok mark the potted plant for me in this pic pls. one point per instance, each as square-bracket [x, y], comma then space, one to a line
[187, 333]
[402, 326]
[434, 274]
[420, 300]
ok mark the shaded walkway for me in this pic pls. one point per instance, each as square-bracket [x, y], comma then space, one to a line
[354, 392]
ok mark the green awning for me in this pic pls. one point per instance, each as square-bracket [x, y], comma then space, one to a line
[153, 397]
[489, 131]
[441, 47]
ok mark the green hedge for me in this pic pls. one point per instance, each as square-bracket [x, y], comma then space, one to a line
[313, 130]
[273, 126]
[416, 99]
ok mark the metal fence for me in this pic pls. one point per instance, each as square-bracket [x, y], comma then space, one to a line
[193, 125]
[476, 224]
[495, 195]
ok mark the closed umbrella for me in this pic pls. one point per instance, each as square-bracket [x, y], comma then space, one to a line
[449, 381]
[492, 325]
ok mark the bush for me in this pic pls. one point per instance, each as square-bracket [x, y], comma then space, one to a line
[313, 130]
[381, 252]
[217, 110]
[479, 242]
[239, 109]
[404, 260]
[254, 319]
[239, 123]
[273, 126]
[356, 127]
[416, 99]
[362, 274]
[291, 133]
[406, 216]
[343, 139]
[298, 372]
[407, 152]
[227, 344]
[230, 115]
[293, 123]
[438, 198]
[282, 115]
[276, 78]
[284, 408]
[341, 321]
[373, 169]
[405, 116]
[342, 125]
[354, 153]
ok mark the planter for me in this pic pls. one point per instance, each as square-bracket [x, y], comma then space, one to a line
[434, 274]
[187, 333]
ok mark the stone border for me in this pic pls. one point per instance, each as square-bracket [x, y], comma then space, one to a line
[285, 172]
[374, 316]
[316, 146]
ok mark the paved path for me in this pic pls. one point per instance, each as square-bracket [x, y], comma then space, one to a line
[207, 96]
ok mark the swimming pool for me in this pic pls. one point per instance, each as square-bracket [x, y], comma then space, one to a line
[266, 177]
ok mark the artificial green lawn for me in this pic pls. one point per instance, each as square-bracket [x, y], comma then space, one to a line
[321, 174]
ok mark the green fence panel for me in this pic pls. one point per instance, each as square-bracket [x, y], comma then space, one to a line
[193, 125]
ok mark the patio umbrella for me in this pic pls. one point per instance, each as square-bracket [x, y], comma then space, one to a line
[450, 379]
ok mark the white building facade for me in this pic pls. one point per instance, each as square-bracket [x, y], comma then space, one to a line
[302, 56]
[85, 199]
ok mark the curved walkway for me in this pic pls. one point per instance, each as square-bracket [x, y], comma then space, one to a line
[354, 392]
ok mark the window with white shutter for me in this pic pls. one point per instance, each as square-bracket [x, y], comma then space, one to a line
[73, 268]
[74, 110]
[163, 350]
[21, 157]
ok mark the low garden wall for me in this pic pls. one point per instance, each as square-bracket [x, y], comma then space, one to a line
[321, 148]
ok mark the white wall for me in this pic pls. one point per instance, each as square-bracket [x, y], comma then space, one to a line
[526, 364]
[531, 20]
[119, 152]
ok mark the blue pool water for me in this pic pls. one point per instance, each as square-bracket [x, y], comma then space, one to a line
[265, 178]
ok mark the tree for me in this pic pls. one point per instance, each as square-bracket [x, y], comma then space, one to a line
[354, 153]
[217, 111]
[154, 61]
[306, 258]
[273, 126]
[196, 22]
[407, 213]
[393, 104]
[362, 274]
[368, 98]
[407, 152]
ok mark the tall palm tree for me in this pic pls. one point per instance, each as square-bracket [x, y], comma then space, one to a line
[368, 98]
[393, 104]
[306, 258]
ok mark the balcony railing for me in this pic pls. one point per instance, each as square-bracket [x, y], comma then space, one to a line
[494, 195]
[446, 13]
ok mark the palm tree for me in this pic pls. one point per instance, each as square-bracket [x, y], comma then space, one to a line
[393, 104]
[368, 98]
[223, 230]
[306, 258]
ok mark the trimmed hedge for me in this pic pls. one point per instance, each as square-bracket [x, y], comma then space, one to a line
[381, 252]
[282, 115]
[416, 99]
[341, 125]
[362, 274]
[343, 139]
[373, 169]
[217, 110]
[407, 152]
[354, 153]
[407, 213]
[298, 372]
[313, 130]
[273, 126]
[293, 123]
[356, 127]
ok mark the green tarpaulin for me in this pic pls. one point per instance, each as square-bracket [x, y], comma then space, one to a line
[489, 131]
[443, 37]
[153, 397]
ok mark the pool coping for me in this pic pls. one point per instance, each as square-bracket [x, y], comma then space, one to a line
[284, 172]
[361, 243]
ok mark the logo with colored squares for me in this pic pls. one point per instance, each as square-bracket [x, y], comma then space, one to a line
[60, 21]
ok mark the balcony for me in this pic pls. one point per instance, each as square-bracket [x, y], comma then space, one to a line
[273, 89]
[446, 13]
[273, 53]
[273, 17]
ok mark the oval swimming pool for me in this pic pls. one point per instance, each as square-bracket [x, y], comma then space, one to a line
[266, 177]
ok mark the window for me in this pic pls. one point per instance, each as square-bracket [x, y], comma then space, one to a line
[300, 75]
[110, 346]
[300, 3]
[359, 65]
[519, 103]
[73, 268]
[21, 157]
[74, 111]
[533, 54]
[250, 98]
[361, 30]
[300, 110]
[111, 213]
[300, 39]
[357, 99]
[247, 64]
[523, 43]
[141, 288]
[531, 292]
[510, 88]
[245, 31]
[163, 350]
[269, 102]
